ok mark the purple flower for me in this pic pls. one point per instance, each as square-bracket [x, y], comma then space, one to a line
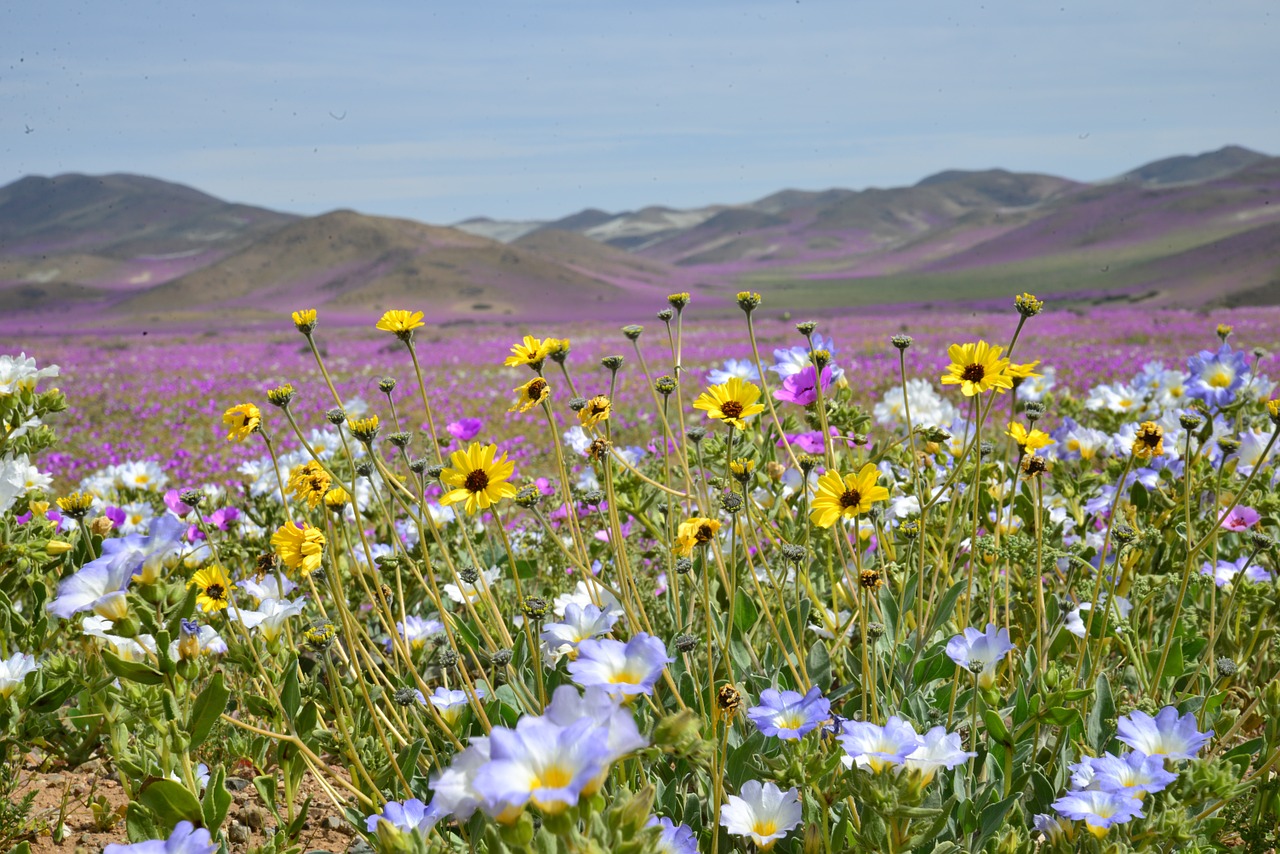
[615, 725]
[223, 517]
[789, 714]
[409, 816]
[800, 388]
[980, 652]
[1215, 377]
[1098, 809]
[1166, 734]
[541, 762]
[1131, 774]
[1240, 519]
[675, 838]
[115, 514]
[622, 669]
[99, 587]
[185, 839]
[175, 504]
[878, 747]
[465, 429]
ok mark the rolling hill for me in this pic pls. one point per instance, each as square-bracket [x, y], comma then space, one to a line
[126, 250]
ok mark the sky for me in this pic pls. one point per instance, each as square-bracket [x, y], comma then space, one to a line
[440, 111]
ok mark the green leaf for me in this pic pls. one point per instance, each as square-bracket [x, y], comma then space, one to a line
[133, 671]
[266, 787]
[140, 823]
[290, 691]
[945, 606]
[996, 727]
[993, 817]
[217, 800]
[819, 666]
[1062, 716]
[745, 614]
[1098, 729]
[171, 803]
[209, 705]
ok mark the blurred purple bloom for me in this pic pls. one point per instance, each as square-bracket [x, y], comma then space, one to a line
[465, 429]
[409, 816]
[1240, 519]
[185, 839]
[800, 389]
[1215, 377]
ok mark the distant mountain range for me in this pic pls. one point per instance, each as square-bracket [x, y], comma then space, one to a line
[124, 251]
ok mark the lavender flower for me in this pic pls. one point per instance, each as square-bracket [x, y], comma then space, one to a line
[1099, 810]
[541, 762]
[408, 816]
[878, 747]
[622, 669]
[581, 622]
[675, 838]
[742, 368]
[185, 839]
[789, 714]
[1133, 774]
[1215, 377]
[938, 749]
[1166, 734]
[980, 652]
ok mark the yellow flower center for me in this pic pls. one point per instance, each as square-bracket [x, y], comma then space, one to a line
[763, 827]
[1220, 378]
[477, 481]
[555, 777]
[625, 677]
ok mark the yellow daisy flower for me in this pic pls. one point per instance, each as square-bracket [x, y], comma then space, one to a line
[846, 496]
[557, 348]
[1032, 440]
[478, 480]
[336, 499]
[400, 322]
[305, 320]
[977, 368]
[299, 548]
[696, 531]
[1021, 372]
[531, 351]
[309, 482]
[242, 419]
[597, 409]
[732, 402]
[530, 394]
[215, 588]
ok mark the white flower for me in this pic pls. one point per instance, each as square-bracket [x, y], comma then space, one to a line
[762, 812]
[583, 595]
[577, 439]
[1076, 622]
[927, 406]
[1035, 388]
[270, 617]
[17, 477]
[581, 622]
[15, 669]
[271, 586]
[19, 373]
[741, 368]
[469, 592]
[938, 749]
[140, 474]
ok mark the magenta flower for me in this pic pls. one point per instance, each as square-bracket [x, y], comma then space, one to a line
[465, 429]
[800, 388]
[1240, 519]
[175, 505]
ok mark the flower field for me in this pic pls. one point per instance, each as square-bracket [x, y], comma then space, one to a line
[998, 581]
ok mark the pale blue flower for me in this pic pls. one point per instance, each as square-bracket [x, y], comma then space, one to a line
[938, 749]
[790, 714]
[762, 812]
[980, 652]
[185, 839]
[408, 816]
[1099, 810]
[1166, 734]
[1216, 377]
[1131, 774]
[622, 669]
[878, 747]
[541, 762]
[742, 368]
[675, 838]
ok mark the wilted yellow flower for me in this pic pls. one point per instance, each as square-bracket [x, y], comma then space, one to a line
[846, 496]
[309, 482]
[1150, 440]
[400, 322]
[531, 351]
[977, 368]
[215, 588]
[478, 480]
[242, 419]
[731, 402]
[305, 320]
[557, 349]
[530, 394]
[695, 531]
[299, 548]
